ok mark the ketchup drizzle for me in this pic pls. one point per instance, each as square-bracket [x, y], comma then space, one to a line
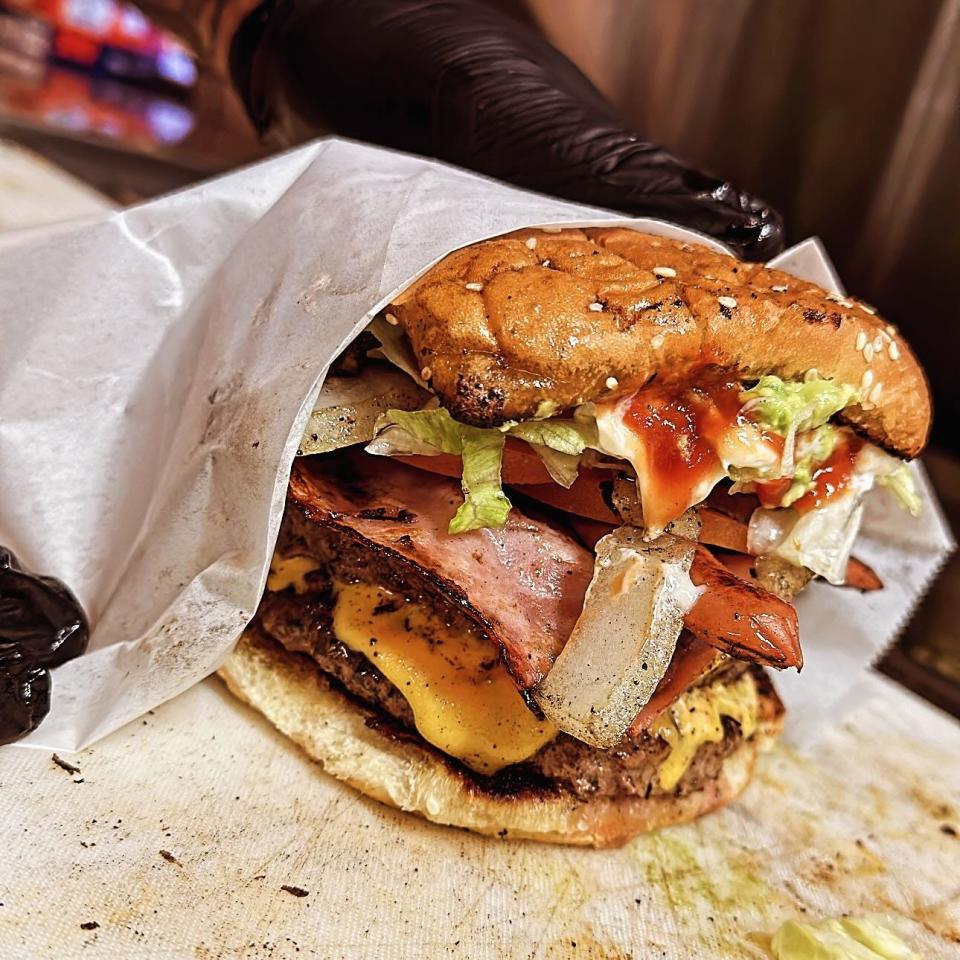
[833, 475]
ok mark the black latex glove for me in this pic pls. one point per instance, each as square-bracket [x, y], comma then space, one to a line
[460, 81]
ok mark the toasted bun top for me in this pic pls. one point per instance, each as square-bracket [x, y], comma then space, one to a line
[501, 326]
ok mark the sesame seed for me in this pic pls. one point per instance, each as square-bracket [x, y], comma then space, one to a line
[664, 271]
[476, 287]
[546, 263]
[612, 383]
[868, 352]
[779, 288]
[866, 380]
[874, 395]
[891, 329]
[861, 340]
[878, 342]
[894, 351]
[596, 307]
[728, 302]
[866, 308]
[839, 298]
[657, 341]
[425, 373]
[531, 243]
[551, 229]
[392, 320]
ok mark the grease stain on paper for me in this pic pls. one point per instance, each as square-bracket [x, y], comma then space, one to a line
[583, 946]
[669, 861]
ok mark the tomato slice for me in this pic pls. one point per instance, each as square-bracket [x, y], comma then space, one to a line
[446, 464]
[523, 468]
[521, 465]
[584, 499]
[772, 492]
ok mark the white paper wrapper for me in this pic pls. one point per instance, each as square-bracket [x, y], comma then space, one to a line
[159, 366]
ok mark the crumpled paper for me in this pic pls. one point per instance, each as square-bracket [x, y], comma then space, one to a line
[853, 827]
[158, 368]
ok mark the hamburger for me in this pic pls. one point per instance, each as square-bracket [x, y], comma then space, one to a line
[547, 523]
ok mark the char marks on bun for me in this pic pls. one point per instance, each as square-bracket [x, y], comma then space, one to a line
[350, 742]
[507, 324]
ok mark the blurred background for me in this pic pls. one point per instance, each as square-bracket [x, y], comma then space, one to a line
[105, 93]
[844, 114]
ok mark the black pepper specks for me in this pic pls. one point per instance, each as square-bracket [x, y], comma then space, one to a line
[819, 316]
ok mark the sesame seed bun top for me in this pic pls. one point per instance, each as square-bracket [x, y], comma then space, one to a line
[573, 316]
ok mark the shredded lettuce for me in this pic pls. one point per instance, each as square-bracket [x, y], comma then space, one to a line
[426, 432]
[484, 502]
[431, 432]
[565, 436]
[799, 411]
[812, 449]
[564, 468]
[849, 938]
[560, 443]
[820, 540]
[545, 409]
[788, 407]
[901, 484]
[893, 474]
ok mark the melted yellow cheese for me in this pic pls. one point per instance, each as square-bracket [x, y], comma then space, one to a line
[695, 719]
[290, 572]
[462, 698]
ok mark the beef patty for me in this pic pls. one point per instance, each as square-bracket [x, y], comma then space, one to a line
[301, 623]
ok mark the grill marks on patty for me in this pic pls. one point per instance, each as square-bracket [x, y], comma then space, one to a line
[302, 624]
[522, 585]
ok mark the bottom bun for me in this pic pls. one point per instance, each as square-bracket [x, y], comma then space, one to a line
[350, 743]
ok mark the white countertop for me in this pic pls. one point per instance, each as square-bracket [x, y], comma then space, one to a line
[859, 827]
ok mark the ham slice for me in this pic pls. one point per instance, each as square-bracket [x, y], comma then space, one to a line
[524, 584]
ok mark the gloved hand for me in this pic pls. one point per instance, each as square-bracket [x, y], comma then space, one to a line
[462, 82]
